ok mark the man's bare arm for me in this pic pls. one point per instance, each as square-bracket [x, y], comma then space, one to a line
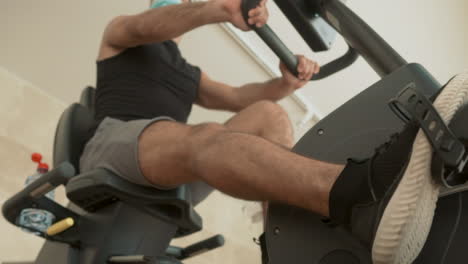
[220, 96]
[169, 22]
[160, 24]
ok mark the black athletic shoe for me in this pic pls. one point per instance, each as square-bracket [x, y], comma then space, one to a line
[388, 201]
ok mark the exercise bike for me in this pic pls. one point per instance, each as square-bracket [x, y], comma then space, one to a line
[114, 221]
[355, 129]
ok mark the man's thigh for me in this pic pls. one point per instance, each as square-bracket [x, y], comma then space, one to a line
[162, 156]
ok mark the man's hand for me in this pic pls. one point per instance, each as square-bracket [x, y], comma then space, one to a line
[306, 69]
[257, 16]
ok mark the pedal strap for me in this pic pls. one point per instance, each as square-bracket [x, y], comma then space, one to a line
[411, 105]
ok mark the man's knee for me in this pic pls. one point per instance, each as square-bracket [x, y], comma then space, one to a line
[272, 112]
[269, 107]
[277, 119]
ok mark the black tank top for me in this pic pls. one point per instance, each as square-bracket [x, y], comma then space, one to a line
[145, 82]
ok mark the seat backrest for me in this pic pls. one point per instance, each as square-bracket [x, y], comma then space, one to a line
[74, 129]
[87, 97]
[72, 133]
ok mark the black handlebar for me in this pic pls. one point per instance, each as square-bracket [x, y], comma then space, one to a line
[286, 56]
[278, 47]
[337, 65]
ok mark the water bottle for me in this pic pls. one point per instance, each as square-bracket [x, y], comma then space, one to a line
[33, 218]
[161, 3]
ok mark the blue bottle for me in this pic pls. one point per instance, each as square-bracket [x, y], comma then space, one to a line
[37, 219]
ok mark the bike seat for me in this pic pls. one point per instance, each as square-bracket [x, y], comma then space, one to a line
[96, 189]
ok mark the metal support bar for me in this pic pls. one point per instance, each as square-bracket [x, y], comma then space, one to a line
[373, 48]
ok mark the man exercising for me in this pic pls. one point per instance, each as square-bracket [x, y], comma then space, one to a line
[145, 91]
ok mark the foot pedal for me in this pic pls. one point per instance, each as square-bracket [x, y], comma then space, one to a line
[136, 259]
[196, 249]
[410, 105]
[140, 259]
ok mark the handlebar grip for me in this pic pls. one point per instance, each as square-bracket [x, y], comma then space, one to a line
[270, 38]
[278, 47]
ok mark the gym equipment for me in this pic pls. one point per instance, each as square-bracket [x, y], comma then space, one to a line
[294, 235]
[99, 225]
[109, 219]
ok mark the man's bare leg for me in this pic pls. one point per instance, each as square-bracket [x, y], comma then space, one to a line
[239, 164]
[268, 120]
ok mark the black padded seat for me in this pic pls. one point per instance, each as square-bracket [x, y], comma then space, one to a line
[98, 188]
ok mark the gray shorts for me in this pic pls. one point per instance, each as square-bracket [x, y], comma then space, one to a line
[114, 147]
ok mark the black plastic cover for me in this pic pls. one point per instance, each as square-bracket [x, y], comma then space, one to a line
[99, 188]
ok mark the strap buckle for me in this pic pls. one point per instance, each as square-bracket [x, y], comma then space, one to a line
[411, 105]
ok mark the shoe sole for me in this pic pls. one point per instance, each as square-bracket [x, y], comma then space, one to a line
[407, 219]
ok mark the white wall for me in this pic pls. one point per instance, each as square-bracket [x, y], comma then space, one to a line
[54, 44]
[430, 32]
